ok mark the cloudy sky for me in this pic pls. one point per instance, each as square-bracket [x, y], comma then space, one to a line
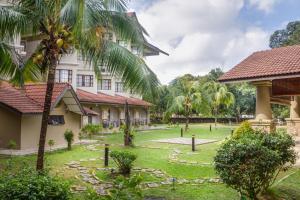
[201, 35]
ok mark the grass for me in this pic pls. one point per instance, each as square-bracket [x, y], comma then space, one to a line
[155, 155]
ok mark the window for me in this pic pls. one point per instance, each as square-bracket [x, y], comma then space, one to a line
[135, 50]
[90, 119]
[105, 84]
[56, 120]
[85, 80]
[119, 87]
[63, 76]
[122, 43]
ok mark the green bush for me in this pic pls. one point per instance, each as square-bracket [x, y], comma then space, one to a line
[69, 137]
[91, 129]
[29, 184]
[251, 162]
[51, 143]
[124, 160]
[126, 188]
[244, 128]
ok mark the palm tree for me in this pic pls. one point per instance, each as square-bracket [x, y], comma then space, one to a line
[189, 101]
[218, 95]
[63, 25]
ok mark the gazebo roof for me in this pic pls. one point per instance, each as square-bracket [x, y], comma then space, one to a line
[278, 63]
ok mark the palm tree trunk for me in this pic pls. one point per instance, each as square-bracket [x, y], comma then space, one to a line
[186, 123]
[127, 139]
[46, 112]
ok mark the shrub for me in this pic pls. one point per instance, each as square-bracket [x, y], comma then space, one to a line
[91, 129]
[124, 161]
[51, 143]
[69, 137]
[26, 183]
[110, 127]
[126, 188]
[250, 163]
[12, 144]
[244, 128]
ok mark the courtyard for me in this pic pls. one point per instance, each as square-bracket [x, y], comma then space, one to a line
[169, 171]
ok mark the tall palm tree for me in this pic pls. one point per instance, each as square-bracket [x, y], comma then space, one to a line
[218, 95]
[63, 25]
[189, 101]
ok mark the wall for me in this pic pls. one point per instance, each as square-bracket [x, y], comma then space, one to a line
[31, 128]
[10, 127]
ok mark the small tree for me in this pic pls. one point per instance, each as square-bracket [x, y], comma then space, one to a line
[51, 143]
[69, 137]
[188, 102]
[11, 146]
[251, 162]
[124, 161]
[80, 136]
[218, 96]
[126, 188]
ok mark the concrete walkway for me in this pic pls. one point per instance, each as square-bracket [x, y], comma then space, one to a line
[35, 150]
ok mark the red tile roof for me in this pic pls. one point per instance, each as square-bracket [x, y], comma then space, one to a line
[102, 98]
[29, 99]
[37, 91]
[17, 100]
[283, 61]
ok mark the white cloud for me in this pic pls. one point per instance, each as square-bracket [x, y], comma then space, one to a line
[199, 36]
[264, 5]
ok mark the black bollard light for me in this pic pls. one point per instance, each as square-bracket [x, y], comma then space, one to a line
[181, 133]
[210, 127]
[193, 143]
[106, 152]
[232, 131]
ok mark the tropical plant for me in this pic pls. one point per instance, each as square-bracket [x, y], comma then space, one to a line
[91, 129]
[26, 183]
[217, 95]
[188, 102]
[11, 146]
[51, 143]
[69, 137]
[124, 160]
[126, 188]
[251, 162]
[61, 27]
[80, 136]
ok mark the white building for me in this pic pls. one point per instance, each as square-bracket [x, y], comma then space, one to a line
[103, 98]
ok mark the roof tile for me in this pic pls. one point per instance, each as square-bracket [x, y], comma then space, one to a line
[269, 63]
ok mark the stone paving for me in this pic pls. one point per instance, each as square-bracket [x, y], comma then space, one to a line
[185, 141]
[174, 158]
[87, 175]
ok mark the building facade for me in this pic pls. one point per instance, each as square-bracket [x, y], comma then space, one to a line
[109, 94]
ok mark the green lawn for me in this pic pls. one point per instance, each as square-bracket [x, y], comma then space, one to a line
[157, 156]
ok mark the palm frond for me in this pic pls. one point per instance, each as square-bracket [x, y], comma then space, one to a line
[12, 22]
[12, 66]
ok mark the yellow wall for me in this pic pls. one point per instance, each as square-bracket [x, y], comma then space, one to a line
[10, 127]
[30, 128]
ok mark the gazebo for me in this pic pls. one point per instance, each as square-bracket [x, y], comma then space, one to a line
[276, 75]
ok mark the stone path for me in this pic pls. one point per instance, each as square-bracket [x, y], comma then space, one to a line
[87, 175]
[185, 141]
[174, 158]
